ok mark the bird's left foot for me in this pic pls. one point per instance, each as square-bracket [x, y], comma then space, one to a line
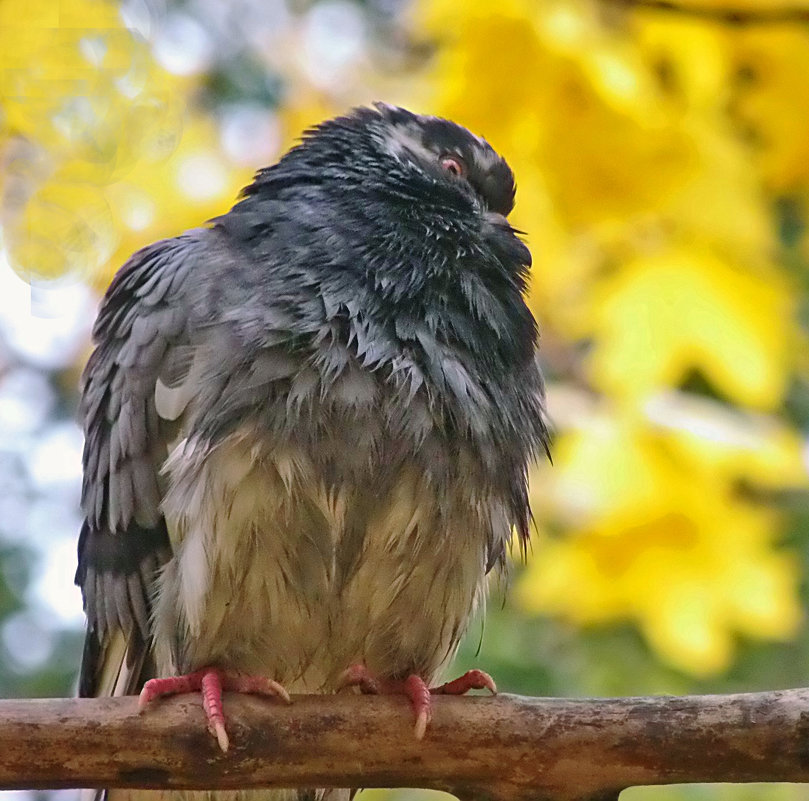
[416, 689]
[210, 682]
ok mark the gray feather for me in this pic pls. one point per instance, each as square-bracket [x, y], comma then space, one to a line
[137, 604]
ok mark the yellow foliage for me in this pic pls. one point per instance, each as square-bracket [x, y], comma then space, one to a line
[665, 315]
[65, 226]
[689, 58]
[94, 135]
[658, 532]
[771, 65]
[723, 202]
[165, 198]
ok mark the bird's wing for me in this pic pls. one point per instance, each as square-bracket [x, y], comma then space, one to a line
[134, 391]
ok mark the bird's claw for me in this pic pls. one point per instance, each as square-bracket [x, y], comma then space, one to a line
[471, 680]
[210, 682]
[416, 689]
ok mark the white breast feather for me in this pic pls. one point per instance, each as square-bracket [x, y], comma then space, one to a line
[253, 581]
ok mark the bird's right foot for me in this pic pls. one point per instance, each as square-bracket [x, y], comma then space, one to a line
[416, 689]
[210, 682]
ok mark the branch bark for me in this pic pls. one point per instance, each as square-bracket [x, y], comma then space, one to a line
[507, 748]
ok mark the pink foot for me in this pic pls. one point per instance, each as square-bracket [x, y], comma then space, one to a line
[415, 688]
[471, 680]
[210, 682]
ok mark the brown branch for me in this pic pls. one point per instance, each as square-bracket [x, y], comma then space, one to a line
[727, 16]
[495, 748]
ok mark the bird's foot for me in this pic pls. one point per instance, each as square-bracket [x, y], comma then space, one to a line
[210, 682]
[416, 689]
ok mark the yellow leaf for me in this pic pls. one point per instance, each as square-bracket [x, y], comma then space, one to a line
[657, 534]
[735, 445]
[772, 102]
[663, 316]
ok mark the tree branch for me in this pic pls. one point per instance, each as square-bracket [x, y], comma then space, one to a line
[507, 748]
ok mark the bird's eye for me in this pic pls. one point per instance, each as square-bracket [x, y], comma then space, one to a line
[453, 165]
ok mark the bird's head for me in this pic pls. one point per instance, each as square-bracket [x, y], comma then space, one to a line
[389, 151]
[411, 201]
[447, 155]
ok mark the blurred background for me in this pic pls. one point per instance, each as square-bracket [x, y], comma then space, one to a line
[662, 157]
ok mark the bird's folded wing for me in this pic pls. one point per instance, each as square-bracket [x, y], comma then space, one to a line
[134, 391]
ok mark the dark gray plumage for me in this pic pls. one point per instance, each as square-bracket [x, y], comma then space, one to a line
[315, 414]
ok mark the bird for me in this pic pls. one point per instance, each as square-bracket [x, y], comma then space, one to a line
[309, 425]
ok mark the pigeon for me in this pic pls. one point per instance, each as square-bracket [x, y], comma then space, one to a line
[309, 425]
